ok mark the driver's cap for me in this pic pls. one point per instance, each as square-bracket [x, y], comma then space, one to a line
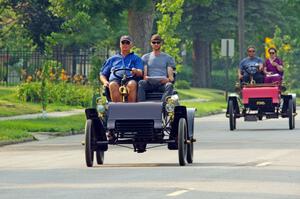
[126, 38]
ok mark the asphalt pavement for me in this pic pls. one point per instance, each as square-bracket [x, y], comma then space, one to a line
[260, 160]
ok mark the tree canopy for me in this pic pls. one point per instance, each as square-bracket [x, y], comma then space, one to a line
[194, 27]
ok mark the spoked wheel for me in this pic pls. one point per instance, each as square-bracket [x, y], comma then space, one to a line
[100, 156]
[232, 119]
[291, 114]
[190, 152]
[182, 145]
[89, 153]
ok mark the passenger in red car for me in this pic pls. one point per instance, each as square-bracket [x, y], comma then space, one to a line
[273, 68]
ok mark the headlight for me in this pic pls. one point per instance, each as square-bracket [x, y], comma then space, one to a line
[170, 105]
[100, 108]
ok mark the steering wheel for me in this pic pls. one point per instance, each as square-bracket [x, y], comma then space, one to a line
[124, 75]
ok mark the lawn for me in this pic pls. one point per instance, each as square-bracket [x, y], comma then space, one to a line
[206, 101]
[16, 130]
[10, 105]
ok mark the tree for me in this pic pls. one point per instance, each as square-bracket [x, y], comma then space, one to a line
[87, 23]
[204, 23]
[140, 23]
[171, 11]
[12, 33]
[35, 17]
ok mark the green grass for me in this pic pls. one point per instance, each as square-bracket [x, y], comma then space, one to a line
[10, 105]
[206, 101]
[16, 130]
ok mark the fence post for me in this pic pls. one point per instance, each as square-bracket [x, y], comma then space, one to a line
[7, 64]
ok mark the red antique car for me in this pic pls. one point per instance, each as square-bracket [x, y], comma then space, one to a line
[261, 100]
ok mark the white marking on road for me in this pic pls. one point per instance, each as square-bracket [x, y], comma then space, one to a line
[177, 193]
[263, 164]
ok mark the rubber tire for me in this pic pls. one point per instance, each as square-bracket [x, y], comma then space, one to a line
[182, 146]
[100, 156]
[232, 119]
[190, 147]
[89, 153]
[190, 152]
[291, 115]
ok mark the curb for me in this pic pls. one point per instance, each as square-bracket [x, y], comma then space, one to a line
[4, 143]
[35, 137]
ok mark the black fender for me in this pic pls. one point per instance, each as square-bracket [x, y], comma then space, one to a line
[99, 131]
[91, 113]
[179, 112]
[286, 99]
[190, 121]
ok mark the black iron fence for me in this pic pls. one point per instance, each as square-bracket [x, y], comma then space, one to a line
[20, 65]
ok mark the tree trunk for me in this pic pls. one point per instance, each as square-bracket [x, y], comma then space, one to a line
[201, 63]
[140, 25]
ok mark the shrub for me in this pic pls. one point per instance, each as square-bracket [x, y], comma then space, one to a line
[30, 92]
[182, 84]
[64, 93]
[219, 79]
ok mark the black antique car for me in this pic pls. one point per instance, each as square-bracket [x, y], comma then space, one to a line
[139, 125]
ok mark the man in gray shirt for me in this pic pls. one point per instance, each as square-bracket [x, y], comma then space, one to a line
[158, 71]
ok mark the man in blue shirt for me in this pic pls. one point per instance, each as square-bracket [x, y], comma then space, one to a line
[251, 66]
[125, 59]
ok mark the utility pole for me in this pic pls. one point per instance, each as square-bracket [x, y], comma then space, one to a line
[241, 27]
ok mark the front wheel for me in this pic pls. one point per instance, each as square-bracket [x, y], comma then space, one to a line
[232, 119]
[291, 115]
[190, 152]
[89, 153]
[182, 145]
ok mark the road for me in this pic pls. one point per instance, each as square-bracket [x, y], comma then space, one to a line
[260, 160]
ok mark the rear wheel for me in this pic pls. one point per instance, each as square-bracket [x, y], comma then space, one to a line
[232, 119]
[182, 145]
[291, 114]
[100, 156]
[89, 153]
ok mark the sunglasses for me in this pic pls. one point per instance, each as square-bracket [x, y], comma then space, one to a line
[125, 42]
[155, 42]
[272, 53]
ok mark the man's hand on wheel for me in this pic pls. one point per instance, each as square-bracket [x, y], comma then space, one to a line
[134, 71]
[106, 84]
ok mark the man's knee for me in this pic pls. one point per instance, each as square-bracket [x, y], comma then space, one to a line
[113, 86]
[132, 84]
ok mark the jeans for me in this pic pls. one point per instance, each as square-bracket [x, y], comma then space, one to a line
[145, 86]
[258, 78]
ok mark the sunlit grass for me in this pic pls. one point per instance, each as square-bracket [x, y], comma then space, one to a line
[10, 105]
[206, 101]
[21, 129]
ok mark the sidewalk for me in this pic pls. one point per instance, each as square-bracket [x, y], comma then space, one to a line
[39, 115]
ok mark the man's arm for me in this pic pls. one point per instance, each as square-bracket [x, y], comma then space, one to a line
[105, 72]
[104, 80]
[240, 74]
[145, 72]
[137, 70]
[170, 74]
[260, 67]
